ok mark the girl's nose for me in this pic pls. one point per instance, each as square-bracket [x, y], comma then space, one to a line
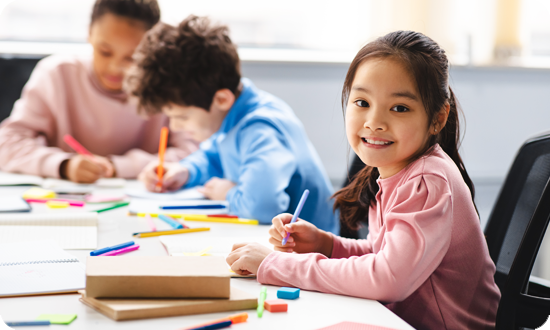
[375, 119]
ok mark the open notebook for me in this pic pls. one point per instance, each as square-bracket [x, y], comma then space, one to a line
[69, 230]
[14, 179]
[41, 267]
[182, 245]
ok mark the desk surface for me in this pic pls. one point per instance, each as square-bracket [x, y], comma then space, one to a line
[312, 310]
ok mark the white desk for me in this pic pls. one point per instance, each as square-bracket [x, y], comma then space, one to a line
[312, 310]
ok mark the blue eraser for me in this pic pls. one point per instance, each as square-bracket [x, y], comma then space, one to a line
[288, 293]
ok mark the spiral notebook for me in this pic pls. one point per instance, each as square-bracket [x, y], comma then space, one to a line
[39, 267]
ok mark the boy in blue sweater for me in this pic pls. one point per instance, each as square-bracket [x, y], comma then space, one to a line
[254, 151]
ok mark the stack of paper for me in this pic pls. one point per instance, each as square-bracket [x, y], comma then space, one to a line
[69, 230]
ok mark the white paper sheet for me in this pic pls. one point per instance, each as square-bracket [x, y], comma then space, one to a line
[184, 194]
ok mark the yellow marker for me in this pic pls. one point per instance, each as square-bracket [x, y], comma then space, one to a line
[206, 218]
[170, 232]
[198, 254]
[57, 204]
[38, 193]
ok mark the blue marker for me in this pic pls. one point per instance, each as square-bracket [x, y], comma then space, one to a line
[184, 207]
[297, 212]
[173, 223]
[27, 323]
[111, 248]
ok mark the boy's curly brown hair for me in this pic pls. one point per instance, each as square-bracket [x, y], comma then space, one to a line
[184, 65]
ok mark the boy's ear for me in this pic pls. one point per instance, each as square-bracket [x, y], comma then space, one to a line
[223, 99]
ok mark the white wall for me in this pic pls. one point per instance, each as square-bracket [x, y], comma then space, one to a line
[502, 106]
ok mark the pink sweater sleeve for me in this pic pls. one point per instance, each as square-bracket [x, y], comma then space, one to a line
[24, 136]
[413, 239]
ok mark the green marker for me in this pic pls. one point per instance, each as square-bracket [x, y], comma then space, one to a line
[263, 295]
[112, 207]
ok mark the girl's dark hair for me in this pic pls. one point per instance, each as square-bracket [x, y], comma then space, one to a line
[184, 65]
[146, 11]
[429, 67]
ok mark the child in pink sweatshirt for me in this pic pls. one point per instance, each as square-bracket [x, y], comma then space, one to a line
[425, 256]
[82, 96]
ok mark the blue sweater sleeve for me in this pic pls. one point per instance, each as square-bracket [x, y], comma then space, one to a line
[267, 167]
[203, 164]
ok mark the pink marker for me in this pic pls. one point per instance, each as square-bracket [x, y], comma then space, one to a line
[150, 222]
[71, 202]
[79, 148]
[121, 251]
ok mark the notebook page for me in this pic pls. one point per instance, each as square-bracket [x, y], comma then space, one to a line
[177, 245]
[49, 219]
[24, 252]
[12, 179]
[190, 193]
[38, 267]
[70, 231]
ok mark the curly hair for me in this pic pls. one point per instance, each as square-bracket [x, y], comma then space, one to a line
[184, 65]
[146, 11]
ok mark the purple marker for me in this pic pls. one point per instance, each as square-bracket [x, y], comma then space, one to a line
[297, 212]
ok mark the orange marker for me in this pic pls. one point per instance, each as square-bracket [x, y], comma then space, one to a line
[162, 150]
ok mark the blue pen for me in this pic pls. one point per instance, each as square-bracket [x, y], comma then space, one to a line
[111, 248]
[27, 323]
[182, 207]
[219, 325]
[173, 223]
[297, 212]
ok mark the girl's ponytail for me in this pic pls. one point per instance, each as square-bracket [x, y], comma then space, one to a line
[429, 67]
[449, 140]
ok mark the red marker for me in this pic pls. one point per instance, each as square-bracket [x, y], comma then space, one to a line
[77, 146]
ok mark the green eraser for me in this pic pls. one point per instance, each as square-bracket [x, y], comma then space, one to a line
[57, 318]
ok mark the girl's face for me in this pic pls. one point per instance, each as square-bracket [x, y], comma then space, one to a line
[114, 40]
[386, 123]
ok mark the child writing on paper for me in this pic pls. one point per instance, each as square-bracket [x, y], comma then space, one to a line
[82, 96]
[254, 152]
[425, 255]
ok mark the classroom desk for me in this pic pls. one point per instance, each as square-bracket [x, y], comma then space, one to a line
[312, 310]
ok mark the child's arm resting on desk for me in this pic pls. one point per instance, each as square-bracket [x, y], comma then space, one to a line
[266, 169]
[24, 136]
[417, 238]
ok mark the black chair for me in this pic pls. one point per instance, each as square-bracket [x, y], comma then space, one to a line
[15, 71]
[514, 232]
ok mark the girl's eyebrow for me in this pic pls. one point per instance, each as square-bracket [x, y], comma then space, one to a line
[405, 94]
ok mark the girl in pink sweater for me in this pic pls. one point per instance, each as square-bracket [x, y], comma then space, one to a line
[425, 256]
[83, 97]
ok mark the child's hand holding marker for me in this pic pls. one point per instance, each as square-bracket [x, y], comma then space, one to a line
[304, 236]
[175, 176]
[85, 167]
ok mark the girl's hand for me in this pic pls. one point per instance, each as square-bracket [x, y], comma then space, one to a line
[175, 176]
[304, 236]
[246, 258]
[217, 189]
[84, 169]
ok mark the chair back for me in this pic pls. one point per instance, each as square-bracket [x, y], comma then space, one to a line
[516, 203]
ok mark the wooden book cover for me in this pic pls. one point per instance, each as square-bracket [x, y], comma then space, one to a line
[157, 277]
[132, 309]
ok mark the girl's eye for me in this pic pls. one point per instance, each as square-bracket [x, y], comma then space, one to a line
[105, 53]
[400, 108]
[361, 103]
